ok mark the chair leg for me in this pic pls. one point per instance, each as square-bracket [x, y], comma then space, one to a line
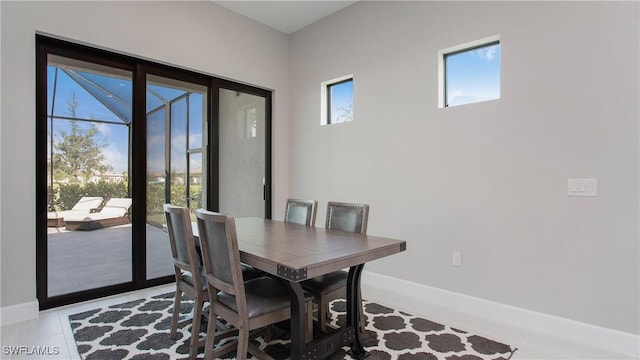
[211, 333]
[243, 341]
[268, 333]
[195, 328]
[176, 313]
[309, 334]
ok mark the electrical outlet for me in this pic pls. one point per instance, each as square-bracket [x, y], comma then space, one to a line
[456, 258]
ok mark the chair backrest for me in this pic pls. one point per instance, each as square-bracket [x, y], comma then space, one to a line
[301, 212]
[221, 255]
[347, 217]
[183, 246]
[116, 206]
[87, 203]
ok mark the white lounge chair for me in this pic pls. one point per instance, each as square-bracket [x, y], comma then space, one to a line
[82, 207]
[113, 213]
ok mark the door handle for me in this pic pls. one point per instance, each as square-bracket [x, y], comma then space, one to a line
[266, 192]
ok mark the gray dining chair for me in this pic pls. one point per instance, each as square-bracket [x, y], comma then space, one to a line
[303, 212]
[326, 288]
[188, 272]
[247, 306]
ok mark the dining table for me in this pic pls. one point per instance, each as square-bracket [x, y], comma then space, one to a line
[294, 253]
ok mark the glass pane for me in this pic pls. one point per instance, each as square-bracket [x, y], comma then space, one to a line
[153, 102]
[473, 75]
[169, 180]
[52, 73]
[242, 156]
[195, 181]
[179, 152]
[166, 92]
[89, 246]
[158, 247]
[108, 91]
[88, 91]
[195, 121]
[341, 100]
[71, 100]
[119, 89]
[156, 176]
[50, 186]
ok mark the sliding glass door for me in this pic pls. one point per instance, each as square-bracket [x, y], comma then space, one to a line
[116, 138]
[244, 149]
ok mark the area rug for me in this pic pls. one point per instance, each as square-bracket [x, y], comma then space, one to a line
[139, 329]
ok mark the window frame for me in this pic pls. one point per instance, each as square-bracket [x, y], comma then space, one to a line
[325, 98]
[443, 101]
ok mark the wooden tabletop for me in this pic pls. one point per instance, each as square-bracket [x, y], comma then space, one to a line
[297, 252]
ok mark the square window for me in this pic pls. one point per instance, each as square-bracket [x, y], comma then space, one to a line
[337, 100]
[471, 73]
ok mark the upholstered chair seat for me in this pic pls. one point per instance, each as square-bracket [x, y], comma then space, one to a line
[263, 296]
[326, 283]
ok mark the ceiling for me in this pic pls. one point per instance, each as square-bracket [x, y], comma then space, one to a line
[285, 16]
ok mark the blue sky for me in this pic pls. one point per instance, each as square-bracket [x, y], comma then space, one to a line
[473, 76]
[341, 97]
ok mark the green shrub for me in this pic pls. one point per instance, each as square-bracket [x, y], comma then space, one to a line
[67, 195]
[156, 198]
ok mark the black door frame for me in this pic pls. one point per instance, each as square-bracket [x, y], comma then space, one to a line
[46, 45]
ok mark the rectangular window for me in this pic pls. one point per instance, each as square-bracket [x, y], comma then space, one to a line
[251, 122]
[337, 100]
[470, 73]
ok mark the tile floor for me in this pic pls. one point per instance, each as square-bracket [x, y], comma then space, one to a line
[51, 333]
[51, 330]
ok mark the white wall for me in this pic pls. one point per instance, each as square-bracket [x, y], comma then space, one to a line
[195, 35]
[488, 179]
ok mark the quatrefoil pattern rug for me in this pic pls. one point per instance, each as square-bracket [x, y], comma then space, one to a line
[139, 330]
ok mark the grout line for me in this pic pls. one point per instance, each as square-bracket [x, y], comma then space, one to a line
[71, 348]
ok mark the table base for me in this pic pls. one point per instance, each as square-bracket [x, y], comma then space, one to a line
[333, 341]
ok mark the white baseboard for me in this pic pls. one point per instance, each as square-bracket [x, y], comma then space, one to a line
[20, 312]
[498, 321]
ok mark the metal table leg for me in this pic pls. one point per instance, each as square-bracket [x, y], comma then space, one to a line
[298, 321]
[353, 311]
[333, 341]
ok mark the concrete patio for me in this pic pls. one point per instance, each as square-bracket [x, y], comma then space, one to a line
[81, 260]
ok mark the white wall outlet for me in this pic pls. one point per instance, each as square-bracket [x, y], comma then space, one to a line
[582, 187]
[456, 258]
